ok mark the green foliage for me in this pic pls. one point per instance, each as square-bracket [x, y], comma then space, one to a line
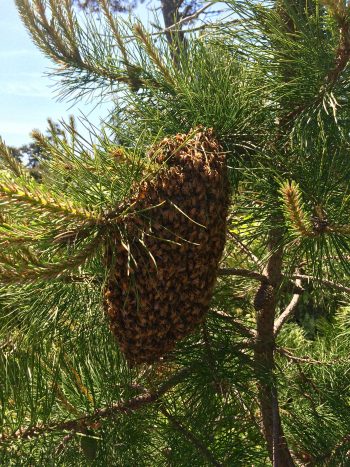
[318, 423]
[272, 81]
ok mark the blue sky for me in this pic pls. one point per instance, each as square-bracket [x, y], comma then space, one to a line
[26, 95]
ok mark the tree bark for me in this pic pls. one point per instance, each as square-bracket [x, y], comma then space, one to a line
[265, 306]
[171, 15]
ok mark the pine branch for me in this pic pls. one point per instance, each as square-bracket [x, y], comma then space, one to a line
[245, 249]
[202, 27]
[64, 442]
[330, 457]
[109, 412]
[340, 12]
[296, 216]
[294, 209]
[115, 29]
[10, 162]
[22, 268]
[342, 57]
[36, 198]
[18, 235]
[258, 277]
[133, 72]
[253, 417]
[243, 273]
[239, 82]
[298, 289]
[293, 358]
[152, 52]
[326, 282]
[289, 311]
[61, 40]
[244, 330]
[186, 19]
[188, 435]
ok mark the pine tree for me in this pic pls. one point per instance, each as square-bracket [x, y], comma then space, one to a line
[116, 6]
[224, 161]
[31, 155]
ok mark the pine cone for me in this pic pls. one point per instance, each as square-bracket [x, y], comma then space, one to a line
[161, 284]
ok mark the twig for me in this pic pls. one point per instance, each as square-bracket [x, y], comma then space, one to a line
[107, 412]
[341, 61]
[288, 312]
[188, 434]
[64, 442]
[217, 25]
[295, 289]
[325, 282]
[345, 440]
[240, 327]
[251, 415]
[245, 249]
[296, 359]
[187, 19]
[298, 289]
[343, 51]
[211, 359]
[242, 272]
[206, 453]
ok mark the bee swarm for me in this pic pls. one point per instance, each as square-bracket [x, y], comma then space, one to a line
[161, 283]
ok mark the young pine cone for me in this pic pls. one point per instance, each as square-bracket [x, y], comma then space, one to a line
[161, 282]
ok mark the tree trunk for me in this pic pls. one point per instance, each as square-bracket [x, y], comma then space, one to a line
[171, 16]
[265, 306]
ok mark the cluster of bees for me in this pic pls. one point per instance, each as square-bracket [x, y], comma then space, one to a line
[162, 277]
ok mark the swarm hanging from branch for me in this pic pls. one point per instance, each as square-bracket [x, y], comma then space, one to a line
[162, 280]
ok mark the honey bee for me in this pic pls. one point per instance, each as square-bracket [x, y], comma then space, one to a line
[170, 296]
